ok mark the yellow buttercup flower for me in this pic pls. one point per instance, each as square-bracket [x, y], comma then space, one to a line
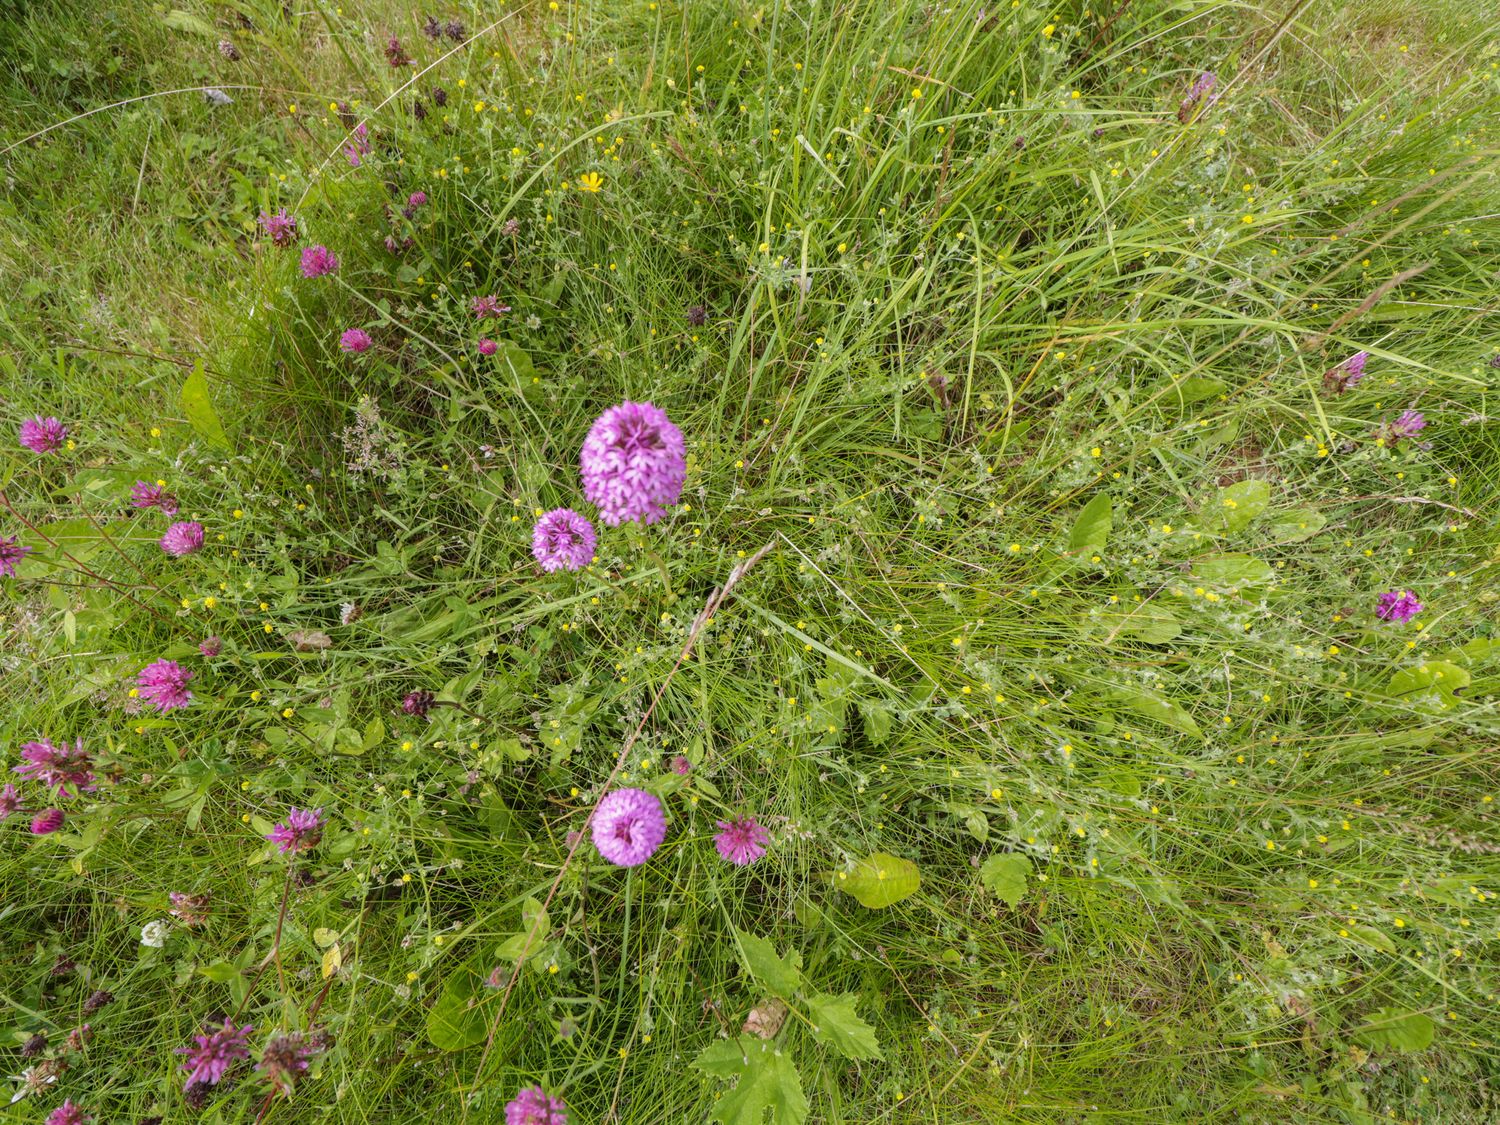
[591, 181]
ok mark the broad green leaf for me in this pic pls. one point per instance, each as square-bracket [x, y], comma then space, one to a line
[836, 1023]
[1233, 571]
[880, 880]
[535, 926]
[766, 1079]
[1005, 874]
[782, 975]
[374, 733]
[1475, 652]
[1152, 706]
[1297, 524]
[456, 1021]
[1196, 388]
[1398, 1030]
[324, 937]
[1091, 530]
[1237, 506]
[1150, 622]
[198, 407]
[178, 20]
[1372, 937]
[1429, 686]
[877, 722]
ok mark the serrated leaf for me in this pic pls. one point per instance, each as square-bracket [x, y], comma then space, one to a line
[782, 975]
[1297, 524]
[1396, 1029]
[1237, 506]
[198, 407]
[836, 1023]
[1152, 706]
[880, 880]
[1005, 874]
[765, 1079]
[1091, 529]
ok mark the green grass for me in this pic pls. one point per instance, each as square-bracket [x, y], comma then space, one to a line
[939, 331]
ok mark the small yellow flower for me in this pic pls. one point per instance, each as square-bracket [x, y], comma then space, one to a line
[591, 181]
[1048, 30]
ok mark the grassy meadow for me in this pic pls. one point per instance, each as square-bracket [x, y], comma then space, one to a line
[1056, 419]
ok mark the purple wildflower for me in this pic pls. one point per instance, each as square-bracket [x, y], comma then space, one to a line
[280, 228]
[355, 340]
[190, 910]
[681, 765]
[57, 767]
[1203, 85]
[563, 540]
[416, 199]
[629, 825]
[486, 307]
[12, 551]
[301, 830]
[633, 463]
[318, 260]
[146, 495]
[533, 1106]
[394, 54]
[1409, 424]
[488, 346]
[418, 703]
[47, 822]
[68, 1114]
[359, 146]
[1342, 376]
[183, 538]
[10, 801]
[211, 646]
[164, 685]
[1398, 605]
[43, 435]
[215, 1053]
[741, 841]
[285, 1060]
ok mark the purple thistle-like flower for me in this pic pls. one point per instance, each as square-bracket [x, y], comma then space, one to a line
[57, 767]
[488, 346]
[285, 1060]
[164, 685]
[563, 540]
[633, 463]
[211, 646]
[318, 260]
[629, 825]
[416, 199]
[1204, 84]
[144, 494]
[681, 765]
[1408, 424]
[301, 830]
[12, 551]
[68, 1114]
[418, 702]
[741, 841]
[215, 1053]
[43, 435]
[280, 228]
[1398, 605]
[355, 340]
[1354, 368]
[47, 822]
[10, 801]
[487, 307]
[183, 538]
[534, 1106]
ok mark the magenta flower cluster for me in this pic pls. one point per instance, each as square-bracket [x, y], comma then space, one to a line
[1398, 605]
[68, 1114]
[57, 767]
[634, 463]
[533, 1106]
[742, 840]
[184, 538]
[147, 495]
[563, 540]
[12, 551]
[212, 1055]
[355, 340]
[301, 830]
[43, 435]
[163, 684]
[280, 228]
[629, 825]
[318, 260]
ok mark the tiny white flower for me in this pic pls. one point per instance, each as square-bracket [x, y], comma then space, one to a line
[155, 933]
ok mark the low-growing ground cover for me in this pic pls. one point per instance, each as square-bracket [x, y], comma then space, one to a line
[1053, 678]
